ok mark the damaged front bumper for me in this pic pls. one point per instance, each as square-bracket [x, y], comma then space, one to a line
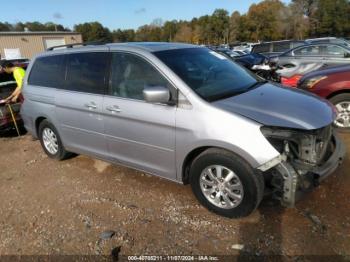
[330, 165]
[290, 178]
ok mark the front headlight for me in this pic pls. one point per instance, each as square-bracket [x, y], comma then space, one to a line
[310, 83]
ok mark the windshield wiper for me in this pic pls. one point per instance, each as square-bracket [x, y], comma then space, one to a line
[257, 84]
[235, 92]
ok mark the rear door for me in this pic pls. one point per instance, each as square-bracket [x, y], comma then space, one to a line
[79, 103]
[139, 134]
[309, 54]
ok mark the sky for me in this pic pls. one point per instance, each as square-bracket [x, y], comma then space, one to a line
[114, 14]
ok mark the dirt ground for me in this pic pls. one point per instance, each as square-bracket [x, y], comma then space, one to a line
[50, 207]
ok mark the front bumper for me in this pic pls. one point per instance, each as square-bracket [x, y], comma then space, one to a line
[296, 179]
[322, 172]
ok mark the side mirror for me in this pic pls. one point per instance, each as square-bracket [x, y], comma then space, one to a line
[346, 55]
[156, 94]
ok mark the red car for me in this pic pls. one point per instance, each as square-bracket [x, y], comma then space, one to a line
[333, 84]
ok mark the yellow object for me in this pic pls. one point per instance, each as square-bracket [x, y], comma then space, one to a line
[13, 119]
[18, 74]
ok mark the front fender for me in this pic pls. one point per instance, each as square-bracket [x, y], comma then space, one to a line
[220, 129]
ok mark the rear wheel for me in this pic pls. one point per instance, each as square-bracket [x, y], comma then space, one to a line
[342, 104]
[226, 184]
[51, 141]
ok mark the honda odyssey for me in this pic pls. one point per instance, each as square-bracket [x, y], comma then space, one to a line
[184, 113]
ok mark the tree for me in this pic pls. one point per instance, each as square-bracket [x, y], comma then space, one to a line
[204, 30]
[265, 20]
[123, 35]
[219, 24]
[298, 21]
[36, 26]
[305, 7]
[19, 27]
[148, 33]
[5, 27]
[244, 30]
[50, 26]
[332, 18]
[184, 34]
[94, 31]
[169, 30]
[234, 26]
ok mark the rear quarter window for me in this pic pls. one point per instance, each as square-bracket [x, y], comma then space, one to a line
[47, 71]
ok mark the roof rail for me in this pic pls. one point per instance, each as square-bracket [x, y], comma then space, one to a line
[76, 44]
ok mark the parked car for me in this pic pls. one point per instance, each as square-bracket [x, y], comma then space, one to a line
[227, 52]
[7, 86]
[330, 40]
[276, 48]
[6, 120]
[245, 47]
[250, 60]
[184, 113]
[304, 59]
[256, 63]
[240, 52]
[333, 84]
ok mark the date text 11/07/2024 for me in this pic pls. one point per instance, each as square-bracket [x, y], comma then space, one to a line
[173, 258]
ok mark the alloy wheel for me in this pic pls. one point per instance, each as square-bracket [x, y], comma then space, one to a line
[221, 186]
[50, 141]
[343, 117]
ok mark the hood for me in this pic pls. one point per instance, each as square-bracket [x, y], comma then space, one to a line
[273, 105]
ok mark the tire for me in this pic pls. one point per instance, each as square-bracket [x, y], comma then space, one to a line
[251, 182]
[59, 153]
[338, 101]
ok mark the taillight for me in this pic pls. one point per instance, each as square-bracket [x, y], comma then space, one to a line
[292, 81]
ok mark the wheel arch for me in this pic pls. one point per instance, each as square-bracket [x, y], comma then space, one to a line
[185, 172]
[39, 120]
[339, 92]
[37, 123]
[198, 150]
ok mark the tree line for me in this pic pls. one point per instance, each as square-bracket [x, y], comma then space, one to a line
[264, 21]
[32, 26]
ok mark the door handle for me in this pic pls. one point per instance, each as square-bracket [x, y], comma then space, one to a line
[91, 105]
[113, 109]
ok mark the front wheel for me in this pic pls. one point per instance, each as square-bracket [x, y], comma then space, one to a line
[225, 184]
[342, 104]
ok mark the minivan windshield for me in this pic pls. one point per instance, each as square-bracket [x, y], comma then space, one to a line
[211, 75]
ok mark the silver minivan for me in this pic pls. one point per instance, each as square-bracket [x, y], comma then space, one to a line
[184, 113]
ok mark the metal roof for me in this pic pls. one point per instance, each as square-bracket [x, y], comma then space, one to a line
[38, 33]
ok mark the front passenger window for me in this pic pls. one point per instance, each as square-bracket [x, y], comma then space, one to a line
[131, 74]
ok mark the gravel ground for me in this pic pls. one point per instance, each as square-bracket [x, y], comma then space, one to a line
[84, 206]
